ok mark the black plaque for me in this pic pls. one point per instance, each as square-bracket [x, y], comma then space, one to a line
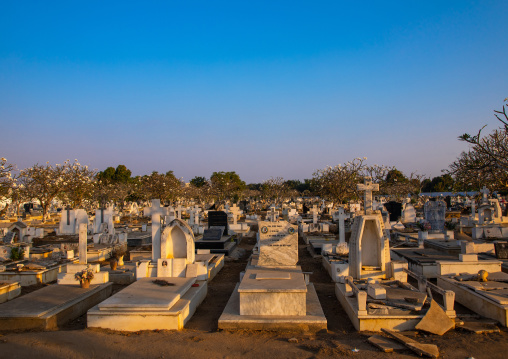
[218, 218]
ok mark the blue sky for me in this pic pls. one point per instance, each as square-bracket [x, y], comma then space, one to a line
[263, 88]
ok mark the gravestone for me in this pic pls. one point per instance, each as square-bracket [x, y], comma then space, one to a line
[278, 244]
[434, 212]
[342, 216]
[367, 187]
[395, 210]
[218, 219]
[409, 213]
[213, 234]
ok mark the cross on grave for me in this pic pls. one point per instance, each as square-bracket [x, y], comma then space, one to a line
[368, 187]
[273, 214]
[314, 212]
[235, 211]
[156, 211]
[473, 208]
[194, 215]
[485, 192]
[342, 230]
[179, 210]
[82, 243]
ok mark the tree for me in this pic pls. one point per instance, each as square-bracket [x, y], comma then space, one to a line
[226, 185]
[7, 180]
[119, 175]
[43, 183]
[338, 184]
[79, 183]
[199, 182]
[443, 183]
[165, 187]
[275, 189]
[486, 161]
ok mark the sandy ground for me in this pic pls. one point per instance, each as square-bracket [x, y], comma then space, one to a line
[201, 339]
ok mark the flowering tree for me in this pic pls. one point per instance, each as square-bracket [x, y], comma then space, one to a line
[8, 185]
[338, 184]
[43, 183]
[6, 178]
[486, 161]
[275, 189]
[79, 183]
[165, 187]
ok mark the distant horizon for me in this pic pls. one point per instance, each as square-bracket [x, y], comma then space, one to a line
[263, 89]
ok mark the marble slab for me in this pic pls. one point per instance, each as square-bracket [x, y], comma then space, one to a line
[144, 295]
[278, 244]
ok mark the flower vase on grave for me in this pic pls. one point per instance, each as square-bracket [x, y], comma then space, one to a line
[120, 261]
[85, 283]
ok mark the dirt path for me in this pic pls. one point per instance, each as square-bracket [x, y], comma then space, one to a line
[201, 339]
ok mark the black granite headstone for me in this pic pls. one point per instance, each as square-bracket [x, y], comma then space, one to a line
[212, 234]
[218, 218]
[395, 210]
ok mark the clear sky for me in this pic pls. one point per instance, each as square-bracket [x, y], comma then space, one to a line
[263, 88]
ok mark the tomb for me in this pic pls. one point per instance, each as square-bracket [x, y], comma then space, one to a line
[216, 237]
[70, 219]
[274, 294]
[168, 289]
[54, 305]
[488, 298]
[373, 276]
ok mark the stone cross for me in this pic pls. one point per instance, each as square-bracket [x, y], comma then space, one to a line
[314, 212]
[342, 230]
[235, 211]
[473, 208]
[156, 211]
[485, 192]
[273, 214]
[179, 210]
[368, 187]
[194, 215]
[82, 243]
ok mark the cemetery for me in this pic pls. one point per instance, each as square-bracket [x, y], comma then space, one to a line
[224, 208]
[392, 266]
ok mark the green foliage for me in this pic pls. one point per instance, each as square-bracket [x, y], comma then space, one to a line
[299, 186]
[198, 181]
[226, 184]
[119, 175]
[17, 253]
[443, 183]
[395, 175]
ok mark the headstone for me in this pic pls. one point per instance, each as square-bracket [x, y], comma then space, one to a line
[485, 195]
[82, 243]
[342, 229]
[434, 212]
[278, 244]
[368, 187]
[314, 212]
[213, 234]
[155, 211]
[218, 218]
[235, 211]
